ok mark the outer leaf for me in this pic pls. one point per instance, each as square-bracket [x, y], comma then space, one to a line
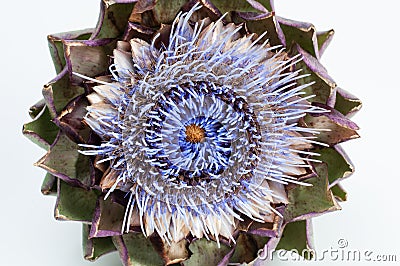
[324, 38]
[339, 193]
[64, 161]
[165, 10]
[323, 87]
[74, 203]
[56, 45]
[260, 241]
[338, 165]
[90, 58]
[95, 247]
[36, 108]
[301, 33]
[239, 6]
[58, 92]
[265, 252]
[107, 219]
[268, 4]
[261, 24]
[295, 237]
[206, 252]
[136, 250]
[42, 131]
[70, 120]
[340, 127]
[246, 248]
[114, 15]
[49, 185]
[309, 201]
[346, 103]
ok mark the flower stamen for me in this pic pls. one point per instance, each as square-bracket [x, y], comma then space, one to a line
[194, 133]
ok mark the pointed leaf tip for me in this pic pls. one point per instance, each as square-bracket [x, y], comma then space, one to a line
[300, 33]
[64, 161]
[41, 131]
[324, 38]
[346, 103]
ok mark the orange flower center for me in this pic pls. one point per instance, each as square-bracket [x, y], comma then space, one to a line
[194, 133]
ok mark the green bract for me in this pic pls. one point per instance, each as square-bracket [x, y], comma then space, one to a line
[81, 183]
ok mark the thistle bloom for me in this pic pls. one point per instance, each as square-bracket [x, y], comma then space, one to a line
[203, 132]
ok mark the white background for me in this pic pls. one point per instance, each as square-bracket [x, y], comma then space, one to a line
[362, 58]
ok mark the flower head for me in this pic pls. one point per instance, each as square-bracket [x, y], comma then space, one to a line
[200, 128]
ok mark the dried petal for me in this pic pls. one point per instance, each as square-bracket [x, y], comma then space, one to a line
[70, 120]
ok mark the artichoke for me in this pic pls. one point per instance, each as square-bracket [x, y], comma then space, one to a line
[192, 132]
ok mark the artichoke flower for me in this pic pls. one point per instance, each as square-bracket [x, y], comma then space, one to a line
[192, 132]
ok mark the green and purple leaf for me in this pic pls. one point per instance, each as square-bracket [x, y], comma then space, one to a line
[136, 250]
[59, 92]
[113, 18]
[49, 185]
[56, 46]
[74, 203]
[346, 103]
[93, 248]
[64, 161]
[41, 131]
[107, 219]
[337, 128]
[206, 252]
[71, 122]
[308, 201]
